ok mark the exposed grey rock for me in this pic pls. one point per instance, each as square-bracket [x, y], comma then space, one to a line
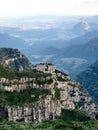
[71, 95]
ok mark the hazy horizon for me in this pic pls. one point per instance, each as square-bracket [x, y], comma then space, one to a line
[18, 8]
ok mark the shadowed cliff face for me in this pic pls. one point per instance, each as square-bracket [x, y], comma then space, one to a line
[3, 111]
[89, 79]
[35, 97]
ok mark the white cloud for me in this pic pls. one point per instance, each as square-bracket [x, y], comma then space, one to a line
[47, 7]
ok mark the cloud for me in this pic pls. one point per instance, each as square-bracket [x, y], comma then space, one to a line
[48, 7]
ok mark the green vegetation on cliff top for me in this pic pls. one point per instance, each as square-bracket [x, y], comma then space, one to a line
[23, 97]
[7, 73]
[14, 59]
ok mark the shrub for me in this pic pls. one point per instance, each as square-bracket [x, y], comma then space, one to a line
[74, 115]
[57, 92]
[22, 97]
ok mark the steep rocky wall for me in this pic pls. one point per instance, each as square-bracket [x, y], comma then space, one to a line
[21, 84]
[35, 112]
[65, 94]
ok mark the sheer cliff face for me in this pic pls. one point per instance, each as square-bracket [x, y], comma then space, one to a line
[41, 97]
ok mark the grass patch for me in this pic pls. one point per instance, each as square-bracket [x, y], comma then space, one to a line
[57, 124]
[57, 95]
[7, 73]
[22, 97]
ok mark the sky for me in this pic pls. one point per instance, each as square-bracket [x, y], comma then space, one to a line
[14, 8]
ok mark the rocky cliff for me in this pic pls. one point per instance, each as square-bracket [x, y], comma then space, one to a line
[14, 60]
[34, 97]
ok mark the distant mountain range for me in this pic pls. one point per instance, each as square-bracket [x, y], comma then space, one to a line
[83, 39]
[77, 57]
[65, 41]
[60, 45]
[7, 40]
[89, 79]
[87, 51]
[72, 59]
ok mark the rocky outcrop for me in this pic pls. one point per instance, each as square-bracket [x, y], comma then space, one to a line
[14, 59]
[64, 94]
[35, 112]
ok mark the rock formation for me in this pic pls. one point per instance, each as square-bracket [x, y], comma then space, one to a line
[48, 95]
[14, 60]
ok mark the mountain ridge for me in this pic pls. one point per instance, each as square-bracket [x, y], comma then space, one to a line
[88, 79]
[38, 96]
[14, 59]
[9, 41]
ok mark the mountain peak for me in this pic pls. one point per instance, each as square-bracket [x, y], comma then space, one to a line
[81, 27]
[14, 59]
[83, 24]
